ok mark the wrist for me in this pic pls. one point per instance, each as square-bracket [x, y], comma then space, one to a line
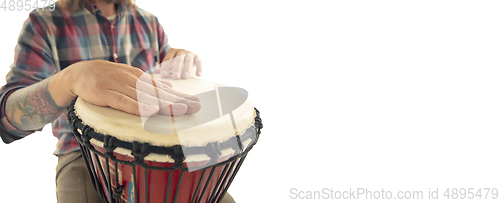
[61, 86]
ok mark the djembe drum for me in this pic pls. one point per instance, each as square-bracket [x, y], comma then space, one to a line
[189, 158]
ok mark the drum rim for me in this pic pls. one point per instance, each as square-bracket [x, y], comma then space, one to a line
[176, 152]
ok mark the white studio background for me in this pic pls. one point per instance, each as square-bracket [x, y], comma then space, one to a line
[392, 95]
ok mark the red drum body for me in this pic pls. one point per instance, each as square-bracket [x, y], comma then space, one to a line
[142, 185]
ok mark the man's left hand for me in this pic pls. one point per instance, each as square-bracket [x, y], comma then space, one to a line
[180, 63]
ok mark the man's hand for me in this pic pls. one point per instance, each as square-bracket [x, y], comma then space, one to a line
[180, 63]
[126, 88]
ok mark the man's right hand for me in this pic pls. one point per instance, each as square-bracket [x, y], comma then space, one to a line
[122, 87]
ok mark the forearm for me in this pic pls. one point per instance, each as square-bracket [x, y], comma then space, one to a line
[32, 107]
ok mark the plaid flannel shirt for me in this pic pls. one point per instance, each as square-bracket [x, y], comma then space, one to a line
[52, 40]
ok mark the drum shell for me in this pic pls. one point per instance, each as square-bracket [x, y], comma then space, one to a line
[153, 184]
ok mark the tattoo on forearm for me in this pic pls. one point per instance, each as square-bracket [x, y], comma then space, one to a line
[32, 107]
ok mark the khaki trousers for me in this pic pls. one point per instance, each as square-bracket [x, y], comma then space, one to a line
[73, 184]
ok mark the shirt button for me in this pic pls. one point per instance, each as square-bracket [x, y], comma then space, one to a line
[112, 26]
[115, 55]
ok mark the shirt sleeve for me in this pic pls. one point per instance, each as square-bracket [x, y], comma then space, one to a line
[33, 62]
[162, 41]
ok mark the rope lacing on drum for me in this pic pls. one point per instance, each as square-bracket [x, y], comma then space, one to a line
[108, 146]
[73, 119]
[71, 109]
[178, 156]
[258, 124]
[85, 136]
[240, 146]
[139, 151]
[118, 192]
[73, 126]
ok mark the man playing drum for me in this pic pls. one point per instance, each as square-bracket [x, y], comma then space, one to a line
[96, 50]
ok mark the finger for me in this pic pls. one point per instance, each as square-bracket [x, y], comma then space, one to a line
[151, 98]
[166, 64]
[146, 78]
[132, 80]
[156, 88]
[150, 80]
[165, 68]
[144, 82]
[135, 72]
[178, 64]
[173, 109]
[181, 94]
[168, 83]
[192, 102]
[168, 96]
[124, 103]
[165, 107]
[164, 95]
[197, 63]
[193, 107]
[169, 104]
[135, 94]
[179, 105]
[188, 66]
